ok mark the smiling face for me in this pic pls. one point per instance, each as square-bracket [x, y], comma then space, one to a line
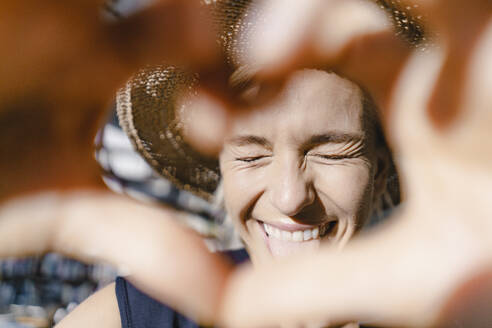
[301, 172]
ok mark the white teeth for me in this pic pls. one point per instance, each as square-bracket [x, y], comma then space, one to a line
[315, 233]
[307, 234]
[298, 236]
[286, 235]
[276, 233]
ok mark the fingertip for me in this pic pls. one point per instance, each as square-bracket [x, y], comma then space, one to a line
[280, 28]
[206, 121]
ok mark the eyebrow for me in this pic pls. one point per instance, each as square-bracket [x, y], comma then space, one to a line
[244, 140]
[315, 140]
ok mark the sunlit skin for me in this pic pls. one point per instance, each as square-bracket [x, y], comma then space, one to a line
[307, 160]
[439, 240]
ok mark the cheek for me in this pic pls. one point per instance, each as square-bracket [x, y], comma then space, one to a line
[346, 189]
[242, 187]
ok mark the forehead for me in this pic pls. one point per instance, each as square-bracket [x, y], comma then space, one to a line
[313, 102]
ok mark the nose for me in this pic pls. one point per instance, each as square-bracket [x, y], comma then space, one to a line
[290, 189]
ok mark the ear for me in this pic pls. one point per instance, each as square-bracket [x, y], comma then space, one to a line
[381, 171]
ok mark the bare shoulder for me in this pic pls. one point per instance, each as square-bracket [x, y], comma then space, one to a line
[99, 310]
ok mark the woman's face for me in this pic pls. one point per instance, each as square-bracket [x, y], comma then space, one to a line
[300, 173]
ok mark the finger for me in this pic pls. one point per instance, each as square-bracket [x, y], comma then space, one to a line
[177, 32]
[320, 288]
[44, 39]
[183, 263]
[208, 115]
[477, 101]
[468, 306]
[458, 30]
[27, 226]
[455, 151]
[56, 89]
[464, 30]
[315, 31]
[399, 276]
[163, 258]
[73, 32]
[170, 32]
[42, 146]
[48, 116]
[206, 122]
[354, 38]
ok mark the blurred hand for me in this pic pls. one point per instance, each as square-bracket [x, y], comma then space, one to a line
[436, 109]
[60, 66]
[146, 243]
[421, 268]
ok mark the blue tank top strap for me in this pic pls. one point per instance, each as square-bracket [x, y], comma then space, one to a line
[237, 256]
[137, 310]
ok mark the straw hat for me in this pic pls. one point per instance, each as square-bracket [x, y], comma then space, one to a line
[148, 105]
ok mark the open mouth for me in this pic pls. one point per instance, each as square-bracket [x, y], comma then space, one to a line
[285, 240]
[317, 232]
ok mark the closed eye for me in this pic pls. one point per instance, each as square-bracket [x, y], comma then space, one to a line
[250, 159]
[333, 157]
